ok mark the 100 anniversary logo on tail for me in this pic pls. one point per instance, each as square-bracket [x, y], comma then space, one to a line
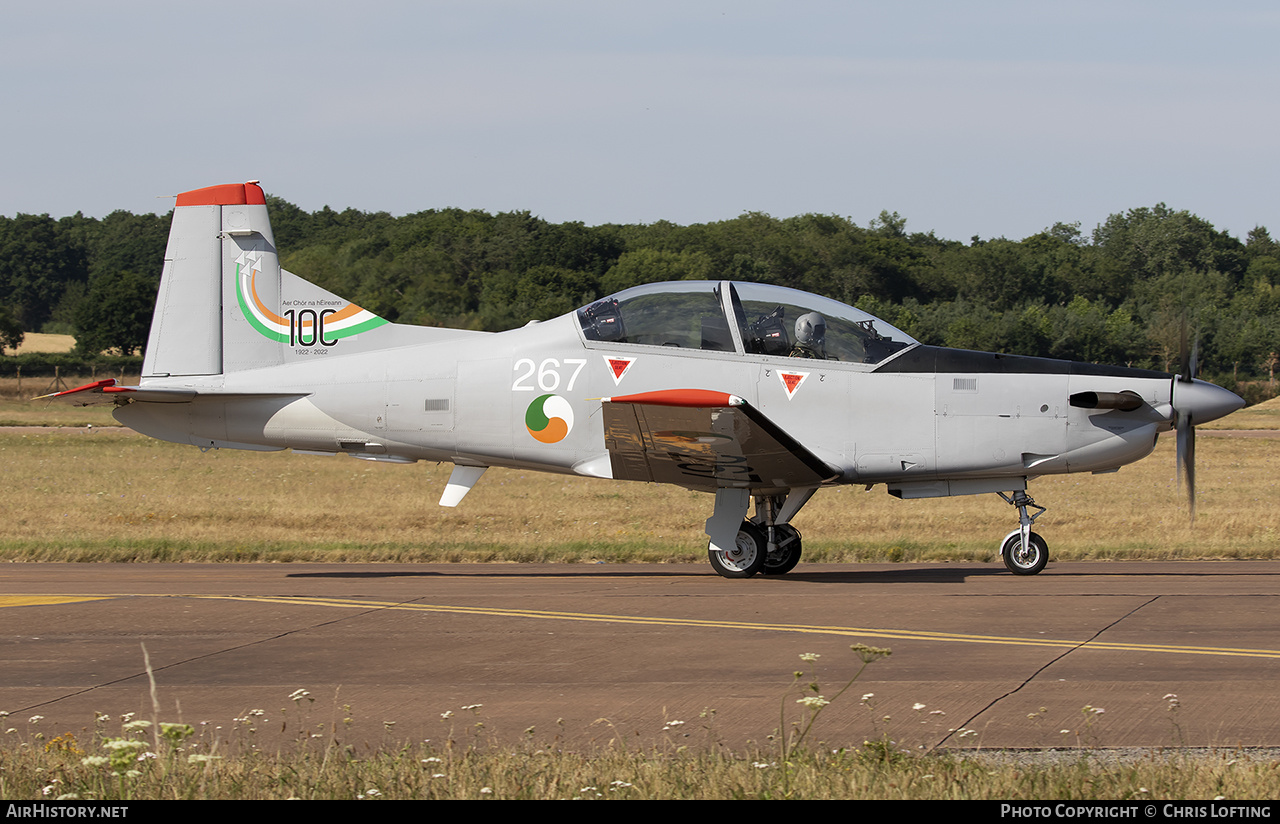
[308, 322]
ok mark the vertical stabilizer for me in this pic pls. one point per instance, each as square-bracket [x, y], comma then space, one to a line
[186, 329]
[217, 233]
[225, 305]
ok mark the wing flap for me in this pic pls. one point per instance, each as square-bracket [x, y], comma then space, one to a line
[706, 441]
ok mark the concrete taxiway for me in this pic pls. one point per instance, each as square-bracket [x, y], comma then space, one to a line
[1084, 654]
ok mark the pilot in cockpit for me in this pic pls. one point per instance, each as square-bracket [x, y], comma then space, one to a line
[811, 337]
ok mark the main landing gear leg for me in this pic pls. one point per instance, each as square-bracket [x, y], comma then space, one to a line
[1024, 552]
[740, 547]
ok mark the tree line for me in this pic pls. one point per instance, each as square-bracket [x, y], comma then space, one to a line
[1132, 291]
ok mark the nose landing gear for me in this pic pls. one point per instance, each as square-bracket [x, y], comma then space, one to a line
[1024, 552]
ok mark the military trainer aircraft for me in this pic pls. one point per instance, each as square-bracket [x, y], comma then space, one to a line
[754, 393]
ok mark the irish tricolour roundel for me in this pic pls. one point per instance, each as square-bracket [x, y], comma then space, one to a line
[549, 418]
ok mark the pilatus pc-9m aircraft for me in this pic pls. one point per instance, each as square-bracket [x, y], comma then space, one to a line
[747, 391]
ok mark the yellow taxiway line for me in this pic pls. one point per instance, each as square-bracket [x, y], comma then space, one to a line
[849, 632]
[857, 632]
[46, 600]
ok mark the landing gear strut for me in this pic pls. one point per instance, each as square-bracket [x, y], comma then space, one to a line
[782, 539]
[765, 543]
[1024, 552]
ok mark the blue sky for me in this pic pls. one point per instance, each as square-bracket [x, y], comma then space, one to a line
[980, 118]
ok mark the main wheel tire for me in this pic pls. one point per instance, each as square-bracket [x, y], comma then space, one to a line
[1024, 560]
[745, 557]
[788, 554]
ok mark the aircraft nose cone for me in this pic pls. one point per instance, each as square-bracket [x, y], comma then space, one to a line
[1204, 401]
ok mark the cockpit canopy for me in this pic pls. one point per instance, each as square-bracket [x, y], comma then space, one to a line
[754, 318]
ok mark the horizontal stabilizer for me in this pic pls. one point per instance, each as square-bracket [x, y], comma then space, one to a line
[106, 391]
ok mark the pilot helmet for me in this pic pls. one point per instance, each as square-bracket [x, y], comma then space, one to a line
[811, 330]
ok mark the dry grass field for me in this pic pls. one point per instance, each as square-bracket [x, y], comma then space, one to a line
[40, 342]
[109, 494]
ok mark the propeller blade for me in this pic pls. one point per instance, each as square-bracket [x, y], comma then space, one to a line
[1195, 401]
[1187, 459]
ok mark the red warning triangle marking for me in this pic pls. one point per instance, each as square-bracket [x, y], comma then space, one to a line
[618, 366]
[791, 381]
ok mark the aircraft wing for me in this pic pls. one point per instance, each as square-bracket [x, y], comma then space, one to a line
[704, 440]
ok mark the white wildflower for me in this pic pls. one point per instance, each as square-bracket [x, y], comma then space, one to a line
[123, 744]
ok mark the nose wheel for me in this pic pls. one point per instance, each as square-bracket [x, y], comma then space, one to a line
[1024, 552]
[1024, 558]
